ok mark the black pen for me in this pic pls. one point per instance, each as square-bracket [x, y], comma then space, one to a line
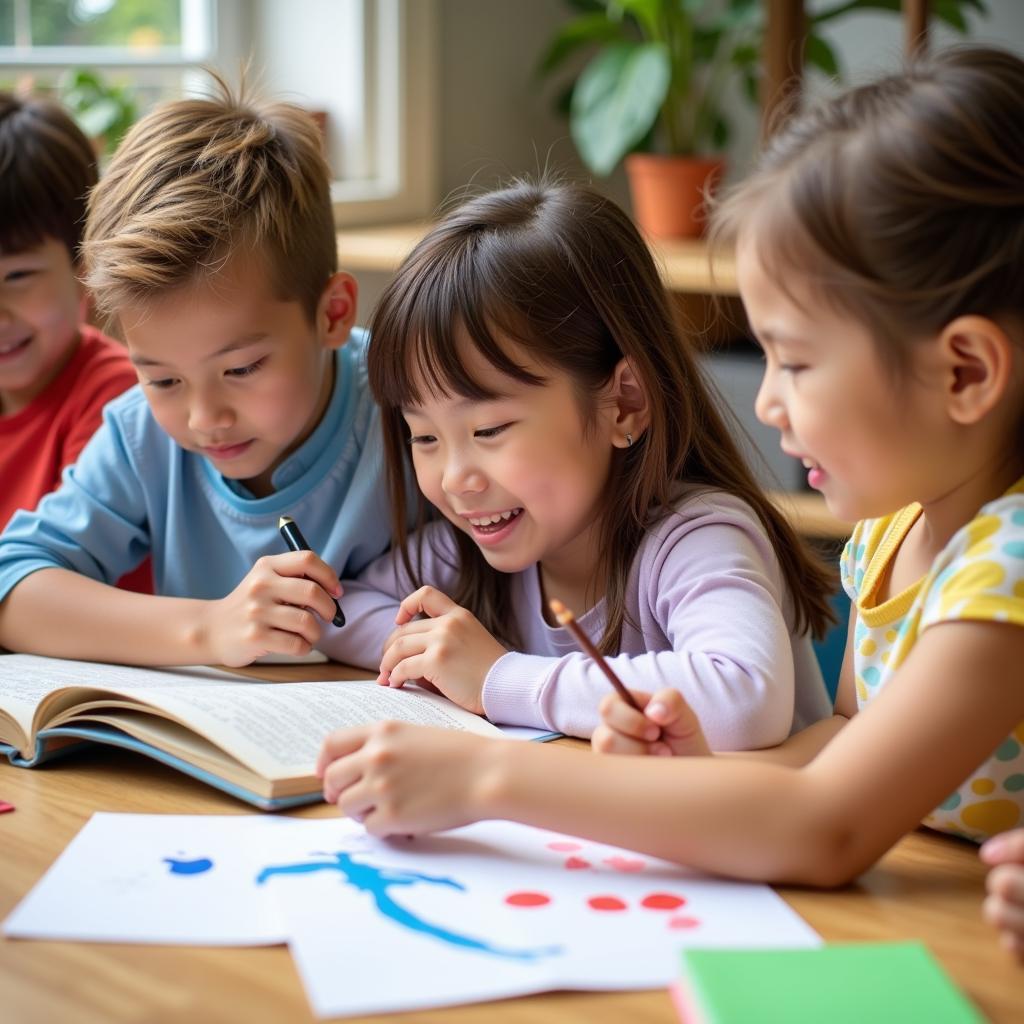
[296, 542]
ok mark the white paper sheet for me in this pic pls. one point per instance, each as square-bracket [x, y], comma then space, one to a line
[487, 911]
[646, 910]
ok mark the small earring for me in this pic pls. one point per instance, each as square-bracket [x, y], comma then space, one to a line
[629, 440]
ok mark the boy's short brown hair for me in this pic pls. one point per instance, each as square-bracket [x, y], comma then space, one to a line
[46, 170]
[197, 180]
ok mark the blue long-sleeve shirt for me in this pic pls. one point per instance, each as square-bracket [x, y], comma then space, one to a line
[134, 491]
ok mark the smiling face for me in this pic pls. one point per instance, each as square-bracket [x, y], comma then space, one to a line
[521, 473]
[41, 306]
[872, 441]
[235, 374]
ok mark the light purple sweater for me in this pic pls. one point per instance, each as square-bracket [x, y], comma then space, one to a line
[710, 617]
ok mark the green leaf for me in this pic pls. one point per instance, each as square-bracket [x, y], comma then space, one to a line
[99, 118]
[705, 43]
[81, 78]
[647, 13]
[591, 28]
[819, 54]
[949, 11]
[751, 87]
[746, 56]
[616, 101]
[741, 14]
[720, 132]
[563, 101]
[855, 5]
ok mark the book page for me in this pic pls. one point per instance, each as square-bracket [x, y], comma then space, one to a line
[275, 729]
[26, 679]
[278, 730]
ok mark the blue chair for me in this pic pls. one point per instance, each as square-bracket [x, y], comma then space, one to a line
[831, 648]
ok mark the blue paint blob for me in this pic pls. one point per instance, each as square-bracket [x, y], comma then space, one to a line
[192, 866]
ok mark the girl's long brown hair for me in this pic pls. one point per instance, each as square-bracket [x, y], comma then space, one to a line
[563, 273]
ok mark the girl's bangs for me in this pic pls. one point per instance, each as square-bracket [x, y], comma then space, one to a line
[420, 336]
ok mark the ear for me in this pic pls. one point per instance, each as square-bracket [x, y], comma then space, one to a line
[977, 367]
[336, 312]
[629, 404]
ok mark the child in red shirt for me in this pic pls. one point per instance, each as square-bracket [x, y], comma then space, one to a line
[56, 374]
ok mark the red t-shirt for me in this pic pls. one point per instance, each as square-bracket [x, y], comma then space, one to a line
[37, 442]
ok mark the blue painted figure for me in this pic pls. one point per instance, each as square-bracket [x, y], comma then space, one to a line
[195, 866]
[377, 881]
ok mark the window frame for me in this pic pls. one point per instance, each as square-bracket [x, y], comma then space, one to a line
[399, 86]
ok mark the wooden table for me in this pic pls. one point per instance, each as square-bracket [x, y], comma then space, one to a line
[929, 887]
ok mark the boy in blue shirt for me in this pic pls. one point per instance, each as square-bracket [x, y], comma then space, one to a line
[211, 242]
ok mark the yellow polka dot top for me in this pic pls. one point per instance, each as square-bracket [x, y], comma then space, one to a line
[979, 575]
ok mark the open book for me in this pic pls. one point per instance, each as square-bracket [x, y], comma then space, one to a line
[256, 740]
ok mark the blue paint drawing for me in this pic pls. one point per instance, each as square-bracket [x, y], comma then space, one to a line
[377, 881]
[193, 866]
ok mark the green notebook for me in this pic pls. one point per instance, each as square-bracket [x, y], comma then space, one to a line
[864, 983]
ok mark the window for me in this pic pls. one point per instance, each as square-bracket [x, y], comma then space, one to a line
[367, 66]
[146, 50]
[51, 32]
[370, 66]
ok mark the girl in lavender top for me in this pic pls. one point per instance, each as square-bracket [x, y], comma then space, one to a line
[527, 363]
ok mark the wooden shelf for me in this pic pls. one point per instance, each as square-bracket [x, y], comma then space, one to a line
[684, 264]
[379, 249]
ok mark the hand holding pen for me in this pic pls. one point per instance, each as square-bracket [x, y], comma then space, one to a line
[278, 608]
[296, 542]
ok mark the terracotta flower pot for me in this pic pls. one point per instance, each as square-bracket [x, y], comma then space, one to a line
[668, 192]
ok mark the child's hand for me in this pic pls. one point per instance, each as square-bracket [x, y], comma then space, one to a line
[403, 779]
[1004, 905]
[448, 649]
[273, 610]
[666, 727]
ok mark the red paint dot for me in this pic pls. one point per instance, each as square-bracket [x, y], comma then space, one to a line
[564, 847]
[575, 863]
[662, 901]
[683, 922]
[527, 899]
[605, 903]
[625, 864]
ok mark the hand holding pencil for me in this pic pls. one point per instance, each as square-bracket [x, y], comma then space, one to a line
[633, 722]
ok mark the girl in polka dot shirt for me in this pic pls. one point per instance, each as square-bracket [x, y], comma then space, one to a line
[880, 259]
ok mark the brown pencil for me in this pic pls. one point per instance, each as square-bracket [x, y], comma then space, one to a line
[567, 619]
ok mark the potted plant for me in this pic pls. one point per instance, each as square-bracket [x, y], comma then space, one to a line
[103, 111]
[652, 90]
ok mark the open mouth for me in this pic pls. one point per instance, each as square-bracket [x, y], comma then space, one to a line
[488, 526]
[12, 348]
